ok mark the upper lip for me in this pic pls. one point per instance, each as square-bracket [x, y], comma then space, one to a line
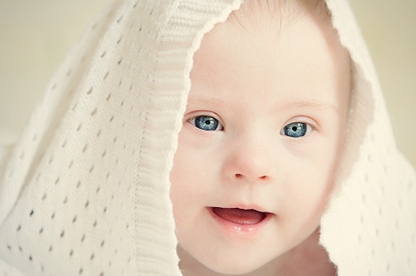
[244, 207]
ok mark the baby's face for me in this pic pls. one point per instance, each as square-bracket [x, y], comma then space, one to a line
[260, 141]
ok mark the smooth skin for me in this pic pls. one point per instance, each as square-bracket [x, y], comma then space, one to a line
[248, 83]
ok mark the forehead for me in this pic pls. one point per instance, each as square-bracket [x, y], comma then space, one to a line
[302, 58]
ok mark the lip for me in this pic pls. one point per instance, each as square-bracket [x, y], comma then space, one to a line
[242, 229]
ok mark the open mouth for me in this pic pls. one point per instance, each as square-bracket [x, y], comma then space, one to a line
[240, 216]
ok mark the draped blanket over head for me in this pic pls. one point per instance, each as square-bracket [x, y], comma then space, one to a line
[85, 191]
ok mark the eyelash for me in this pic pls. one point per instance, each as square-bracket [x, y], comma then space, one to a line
[293, 128]
[218, 126]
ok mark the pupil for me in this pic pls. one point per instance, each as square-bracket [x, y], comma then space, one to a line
[295, 128]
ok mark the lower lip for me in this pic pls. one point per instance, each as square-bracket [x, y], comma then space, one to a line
[245, 229]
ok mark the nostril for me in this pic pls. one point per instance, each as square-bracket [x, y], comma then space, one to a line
[238, 175]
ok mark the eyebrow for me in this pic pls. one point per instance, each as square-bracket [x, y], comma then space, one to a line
[312, 104]
[208, 101]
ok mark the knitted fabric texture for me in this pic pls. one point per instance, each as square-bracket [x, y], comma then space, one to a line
[85, 191]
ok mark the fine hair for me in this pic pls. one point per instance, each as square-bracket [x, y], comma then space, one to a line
[268, 13]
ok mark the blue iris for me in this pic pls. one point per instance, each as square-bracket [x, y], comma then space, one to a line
[295, 130]
[206, 123]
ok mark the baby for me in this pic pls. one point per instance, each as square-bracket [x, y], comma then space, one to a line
[262, 133]
[283, 161]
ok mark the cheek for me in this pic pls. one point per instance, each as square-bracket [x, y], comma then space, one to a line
[181, 179]
[194, 164]
[188, 183]
[181, 193]
[189, 194]
[305, 204]
[310, 180]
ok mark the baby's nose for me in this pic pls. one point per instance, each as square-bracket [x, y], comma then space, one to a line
[250, 163]
[251, 169]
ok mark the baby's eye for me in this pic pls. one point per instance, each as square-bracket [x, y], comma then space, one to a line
[206, 123]
[296, 129]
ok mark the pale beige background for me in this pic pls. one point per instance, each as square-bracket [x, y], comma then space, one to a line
[35, 36]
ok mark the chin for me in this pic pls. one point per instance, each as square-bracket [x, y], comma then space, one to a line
[234, 265]
[233, 269]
